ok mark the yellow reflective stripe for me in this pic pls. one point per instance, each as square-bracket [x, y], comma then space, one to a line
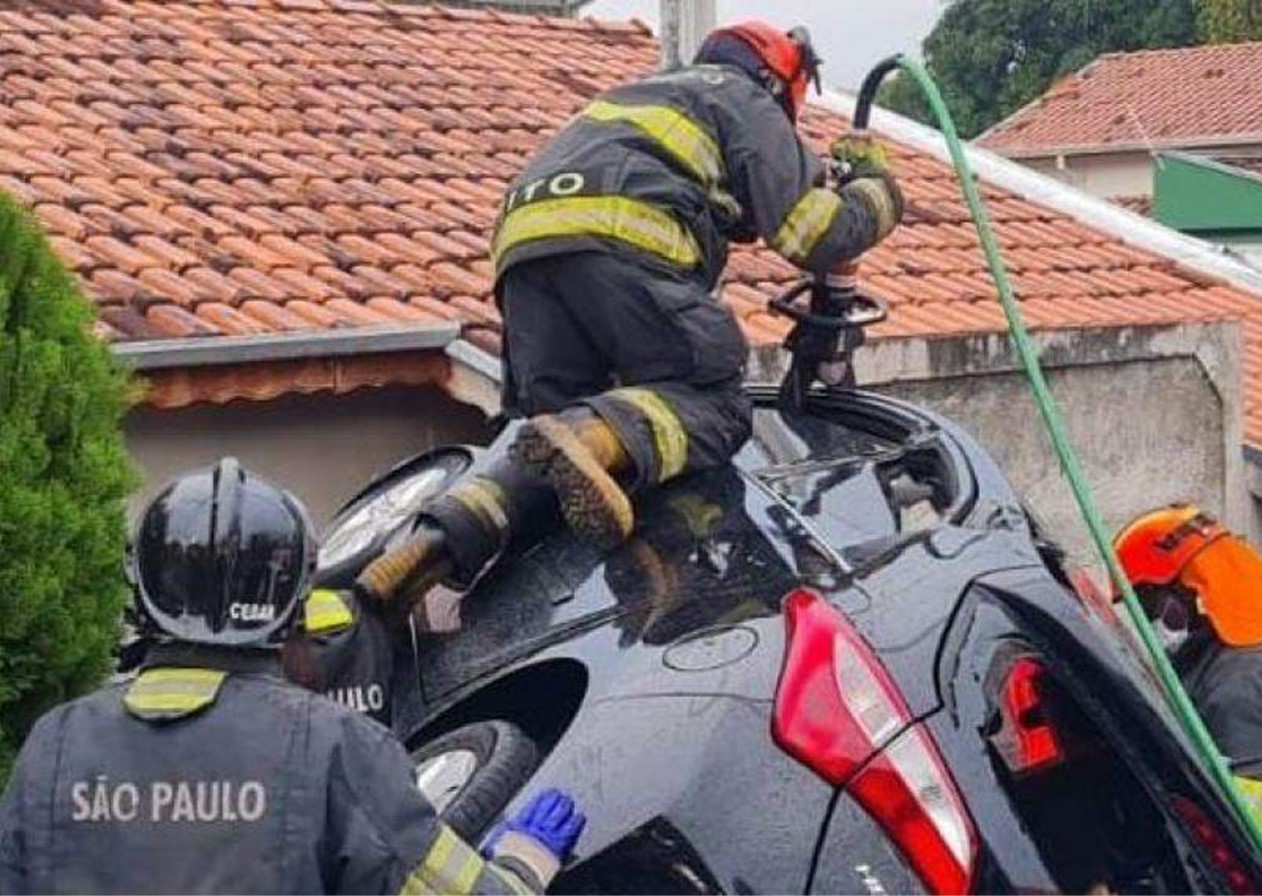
[485, 499]
[675, 132]
[325, 611]
[450, 866]
[878, 197]
[512, 881]
[417, 885]
[670, 438]
[170, 692]
[1252, 791]
[806, 223]
[615, 217]
[467, 874]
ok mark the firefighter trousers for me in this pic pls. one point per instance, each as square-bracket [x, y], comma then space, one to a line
[647, 348]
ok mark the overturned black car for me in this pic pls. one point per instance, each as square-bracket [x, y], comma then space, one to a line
[849, 662]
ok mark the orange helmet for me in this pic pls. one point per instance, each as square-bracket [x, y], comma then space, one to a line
[789, 57]
[1182, 545]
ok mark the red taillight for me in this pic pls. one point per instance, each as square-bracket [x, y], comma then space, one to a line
[1028, 741]
[1214, 845]
[836, 708]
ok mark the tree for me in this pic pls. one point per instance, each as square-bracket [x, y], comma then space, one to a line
[1229, 21]
[63, 476]
[990, 57]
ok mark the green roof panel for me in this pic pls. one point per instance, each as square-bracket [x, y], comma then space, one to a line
[1196, 194]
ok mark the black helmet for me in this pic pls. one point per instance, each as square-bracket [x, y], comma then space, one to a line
[222, 556]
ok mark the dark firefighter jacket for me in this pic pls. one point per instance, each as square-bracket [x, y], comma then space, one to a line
[674, 167]
[211, 774]
[1225, 685]
[361, 657]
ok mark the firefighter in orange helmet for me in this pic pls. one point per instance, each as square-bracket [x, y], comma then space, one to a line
[1201, 585]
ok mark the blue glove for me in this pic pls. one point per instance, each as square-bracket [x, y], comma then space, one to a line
[551, 818]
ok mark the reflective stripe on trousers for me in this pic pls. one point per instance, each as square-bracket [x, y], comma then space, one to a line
[670, 438]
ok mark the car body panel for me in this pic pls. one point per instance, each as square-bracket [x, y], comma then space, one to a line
[714, 552]
[891, 513]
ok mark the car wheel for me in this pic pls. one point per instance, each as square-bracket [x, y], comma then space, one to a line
[471, 773]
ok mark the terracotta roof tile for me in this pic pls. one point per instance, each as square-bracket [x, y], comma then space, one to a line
[218, 167]
[1151, 98]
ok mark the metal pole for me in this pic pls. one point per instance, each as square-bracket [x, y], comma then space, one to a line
[696, 20]
[685, 23]
[670, 13]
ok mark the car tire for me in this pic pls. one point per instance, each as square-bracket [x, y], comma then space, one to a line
[488, 762]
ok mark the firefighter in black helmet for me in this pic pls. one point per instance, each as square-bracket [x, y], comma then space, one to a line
[607, 252]
[209, 772]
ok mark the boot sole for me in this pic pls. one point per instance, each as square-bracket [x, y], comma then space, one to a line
[592, 503]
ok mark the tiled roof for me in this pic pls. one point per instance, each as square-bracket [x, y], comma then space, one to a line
[1194, 96]
[1252, 164]
[1140, 205]
[224, 167]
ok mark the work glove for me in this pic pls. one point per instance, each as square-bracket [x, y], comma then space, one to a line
[539, 838]
[859, 154]
[861, 169]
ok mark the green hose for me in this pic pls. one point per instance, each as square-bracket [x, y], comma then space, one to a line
[1175, 693]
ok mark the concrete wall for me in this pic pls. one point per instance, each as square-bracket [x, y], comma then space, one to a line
[1106, 175]
[322, 447]
[1154, 413]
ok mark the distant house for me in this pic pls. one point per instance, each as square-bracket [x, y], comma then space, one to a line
[281, 209]
[1153, 130]
[1216, 198]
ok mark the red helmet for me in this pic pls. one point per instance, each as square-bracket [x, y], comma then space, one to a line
[789, 56]
[1155, 548]
[1182, 545]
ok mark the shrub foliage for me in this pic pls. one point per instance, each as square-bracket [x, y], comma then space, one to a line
[63, 476]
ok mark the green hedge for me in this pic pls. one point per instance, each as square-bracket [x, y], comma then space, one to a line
[63, 476]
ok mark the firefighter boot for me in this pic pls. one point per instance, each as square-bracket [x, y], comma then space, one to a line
[461, 533]
[458, 538]
[575, 453]
[414, 566]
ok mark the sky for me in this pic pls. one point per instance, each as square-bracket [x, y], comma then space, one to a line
[850, 35]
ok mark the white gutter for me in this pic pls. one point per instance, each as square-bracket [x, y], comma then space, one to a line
[476, 376]
[1130, 228]
[479, 361]
[204, 351]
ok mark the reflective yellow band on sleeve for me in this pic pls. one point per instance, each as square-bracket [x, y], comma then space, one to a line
[806, 223]
[1252, 791]
[325, 611]
[451, 867]
[171, 692]
[515, 883]
[684, 139]
[619, 218]
[877, 196]
[670, 438]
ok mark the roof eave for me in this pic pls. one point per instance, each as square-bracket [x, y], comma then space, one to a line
[1146, 146]
[206, 351]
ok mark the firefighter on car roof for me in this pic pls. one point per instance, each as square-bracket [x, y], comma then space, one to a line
[607, 252]
[1202, 587]
[209, 773]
